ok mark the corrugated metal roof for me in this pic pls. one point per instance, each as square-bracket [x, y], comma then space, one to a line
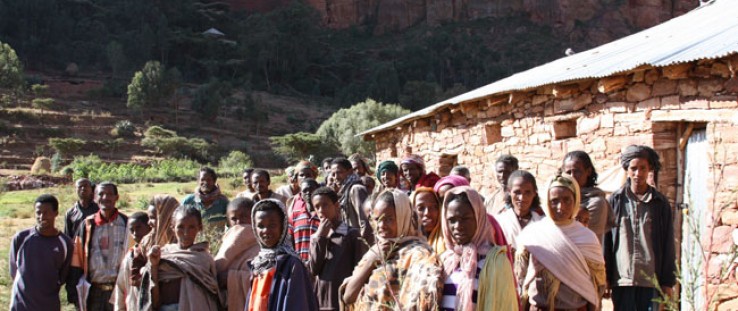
[707, 32]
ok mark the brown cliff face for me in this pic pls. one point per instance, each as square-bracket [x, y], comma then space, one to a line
[594, 21]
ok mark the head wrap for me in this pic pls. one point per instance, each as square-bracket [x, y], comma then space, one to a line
[465, 256]
[414, 159]
[406, 229]
[564, 181]
[306, 164]
[290, 171]
[164, 207]
[267, 257]
[435, 237]
[453, 180]
[387, 166]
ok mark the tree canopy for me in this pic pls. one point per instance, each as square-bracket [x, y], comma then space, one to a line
[11, 69]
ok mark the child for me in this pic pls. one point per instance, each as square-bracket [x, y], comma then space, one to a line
[182, 274]
[238, 247]
[335, 249]
[129, 276]
[39, 260]
[279, 279]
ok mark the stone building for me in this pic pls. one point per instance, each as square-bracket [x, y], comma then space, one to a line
[673, 86]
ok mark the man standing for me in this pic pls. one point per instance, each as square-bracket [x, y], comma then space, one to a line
[208, 199]
[351, 196]
[85, 206]
[504, 166]
[261, 182]
[641, 244]
[413, 169]
[99, 246]
[249, 192]
[39, 260]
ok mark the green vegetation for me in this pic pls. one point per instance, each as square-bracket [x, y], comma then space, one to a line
[11, 69]
[158, 171]
[298, 146]
[66, 146]
[168, 143]
[123, 128]
[234, 164]
[152, 85]
[341, 128]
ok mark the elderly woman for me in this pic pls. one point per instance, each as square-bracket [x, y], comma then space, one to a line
[559, 263]
[400, 272]
[478, 271]
[413, 169]
[427, 208]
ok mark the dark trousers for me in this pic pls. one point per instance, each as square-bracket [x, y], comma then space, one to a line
[99, 299]
[634, 298]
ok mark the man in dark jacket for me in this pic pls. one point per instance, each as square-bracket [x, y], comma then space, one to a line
[641, 244]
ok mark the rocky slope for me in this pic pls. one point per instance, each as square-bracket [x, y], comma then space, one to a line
[593, 21]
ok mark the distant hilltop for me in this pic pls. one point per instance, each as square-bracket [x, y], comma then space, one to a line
[395, 15]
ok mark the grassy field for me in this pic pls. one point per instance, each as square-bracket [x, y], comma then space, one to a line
[16, 213]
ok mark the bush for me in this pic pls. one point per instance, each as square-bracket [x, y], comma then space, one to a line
[66, 146]
[234, 164]
[167, 170]
[298, 146]
[123, 128]
[168, 143]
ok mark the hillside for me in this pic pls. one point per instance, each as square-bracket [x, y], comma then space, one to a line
[24, 131]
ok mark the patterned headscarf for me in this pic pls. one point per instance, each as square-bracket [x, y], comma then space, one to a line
[453, 180]
[387, 166]
[564, 181]
[267, 257]
[414, 159]
[164, 207]
[307, 164]
[465, 256]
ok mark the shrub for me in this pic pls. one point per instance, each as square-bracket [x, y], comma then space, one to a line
[66, 146]
[167, 170]
[168, 143]
[234, 163]
[123, 128]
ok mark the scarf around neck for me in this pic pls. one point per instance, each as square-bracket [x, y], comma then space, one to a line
[267, 257]
[208, 198]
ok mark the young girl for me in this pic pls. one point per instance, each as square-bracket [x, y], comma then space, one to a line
[522, 206]
[401, 271]
[478, 271]
[129, 276]
[280, 281]
[182, 274]
[428, 210]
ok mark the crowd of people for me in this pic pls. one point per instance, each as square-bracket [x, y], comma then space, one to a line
[343, 237]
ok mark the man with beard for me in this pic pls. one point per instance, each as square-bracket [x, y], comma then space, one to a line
[208, 199]
[352, 195]
[99, 246]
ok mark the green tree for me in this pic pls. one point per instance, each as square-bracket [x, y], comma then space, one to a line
[42, 103]
[341, 128]
[298, 146]
[66, 146]
[234, 163]
[116, 57]
[148, 87]
[209, 97]
[11, 69]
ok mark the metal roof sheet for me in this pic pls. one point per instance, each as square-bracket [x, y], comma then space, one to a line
[707, 32]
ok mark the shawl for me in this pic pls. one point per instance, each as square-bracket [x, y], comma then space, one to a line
[387, 166]
[349, 182]
[165, 205]
[452, 180]
[208, 198]
[196, 269]
[510, 225]
[411, 278]
[565, 248]
[238, 247]
[466, 256]
[427, 180]
[306, 164]
[435, 237]
[497, 286]
[267, 257]
[414, 159]
[290, 289]
[406, 229]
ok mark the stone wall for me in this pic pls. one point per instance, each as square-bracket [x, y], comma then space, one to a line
[651, 106]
